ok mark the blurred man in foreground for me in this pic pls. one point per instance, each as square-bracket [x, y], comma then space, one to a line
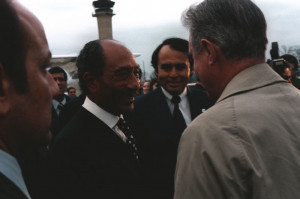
[247, 144]
[26, 91]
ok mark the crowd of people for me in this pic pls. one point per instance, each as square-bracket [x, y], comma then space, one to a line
[234, 134]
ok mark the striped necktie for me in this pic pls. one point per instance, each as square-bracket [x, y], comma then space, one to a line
[130, 141]
[177, 115]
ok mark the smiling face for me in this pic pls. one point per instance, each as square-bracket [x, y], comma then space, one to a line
[118, 84]
[173, 70]
[146, 87]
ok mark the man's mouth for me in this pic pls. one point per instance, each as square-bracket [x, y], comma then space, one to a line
[172, 84]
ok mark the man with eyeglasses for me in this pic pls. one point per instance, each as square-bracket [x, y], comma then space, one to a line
[96, 155]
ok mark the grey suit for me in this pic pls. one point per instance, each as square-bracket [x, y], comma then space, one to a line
[247, 145]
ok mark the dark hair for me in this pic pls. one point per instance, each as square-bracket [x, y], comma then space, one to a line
[57, 69]
[177, 44]
[13, 46]
[290, 59]
[238, 27]
[68, 89]
[91, 59]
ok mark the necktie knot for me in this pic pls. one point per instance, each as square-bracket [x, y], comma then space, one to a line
[176, 99]
[123, 126]
[59, 106]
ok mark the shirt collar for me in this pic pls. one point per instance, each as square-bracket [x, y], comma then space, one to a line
[9, 167]
[108, 118]
[169, 96]
[249, 79]
[56, 103]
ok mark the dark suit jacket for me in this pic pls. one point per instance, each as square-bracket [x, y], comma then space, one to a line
[69, 110]
[8, 190]
[153, 120]
[54, 123]
[88, 160]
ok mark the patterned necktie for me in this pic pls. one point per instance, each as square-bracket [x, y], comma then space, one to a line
[122, 125]
[177, 115]
[59, 107]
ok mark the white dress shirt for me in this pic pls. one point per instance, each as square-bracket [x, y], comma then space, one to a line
[109, 119]
[10, 167]
[184, 105]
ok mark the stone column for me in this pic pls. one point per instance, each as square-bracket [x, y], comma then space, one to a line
[104, 13]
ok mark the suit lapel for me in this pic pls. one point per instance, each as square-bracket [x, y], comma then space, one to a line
[95, 124]
[8, 189]
[161, 107]
[162, 111]
[54, 114]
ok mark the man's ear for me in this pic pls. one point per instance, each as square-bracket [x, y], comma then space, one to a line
[211, 49]
[91, 82]
[5, 86]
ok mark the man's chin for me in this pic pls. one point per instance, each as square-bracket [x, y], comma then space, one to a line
[174, 91]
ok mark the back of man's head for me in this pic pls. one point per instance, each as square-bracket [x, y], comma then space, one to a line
[238, 27]
[12, 46]
[91, 59]
[177, 44]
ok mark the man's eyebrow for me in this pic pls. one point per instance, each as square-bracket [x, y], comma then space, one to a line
[173, 64]
[123, 68]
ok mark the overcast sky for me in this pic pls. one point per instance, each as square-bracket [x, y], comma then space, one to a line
[142, 24]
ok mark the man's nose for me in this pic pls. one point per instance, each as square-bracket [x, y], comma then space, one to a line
[53, 84]
[173, 72]
[134, 82]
